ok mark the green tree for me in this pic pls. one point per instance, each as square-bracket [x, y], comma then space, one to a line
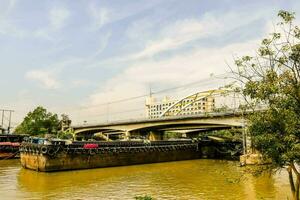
[272, 78]
[65, 122]
[39, 122]
[65, 132]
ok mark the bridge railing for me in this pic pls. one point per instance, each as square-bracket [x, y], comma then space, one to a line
[200, 115]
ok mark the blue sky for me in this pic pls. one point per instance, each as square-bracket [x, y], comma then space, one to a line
[67, 54]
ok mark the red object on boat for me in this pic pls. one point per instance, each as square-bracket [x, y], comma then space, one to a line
[15, 144]
[90, 146]
[5, 143]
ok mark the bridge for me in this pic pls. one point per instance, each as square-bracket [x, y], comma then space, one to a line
[154, 129]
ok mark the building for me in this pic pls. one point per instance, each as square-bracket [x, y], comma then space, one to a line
[191, 105]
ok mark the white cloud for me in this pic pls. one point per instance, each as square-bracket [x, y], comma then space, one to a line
[7, 28]
[180, 33]
[102, 44]
[103, 15]
[58, 17]
[6, 25]
[43, 33]
[141, 27]
[100, 16]
[6, 7]
[174, 71]
[45, 78]
[143, 69]
[80, 83]
[91, 59]
[57, 20]
[175, 36]
[168, 38]
[184, 31]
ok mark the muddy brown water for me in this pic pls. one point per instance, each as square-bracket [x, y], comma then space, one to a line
[194, 179]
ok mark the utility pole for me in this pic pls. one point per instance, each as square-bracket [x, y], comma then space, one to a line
[244, 135]
[107, 112]
[2, 119]
[9, 119]
[9, 122]
[150, 91]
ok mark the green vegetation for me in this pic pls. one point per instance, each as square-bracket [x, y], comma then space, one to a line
[229, 134]
[146, 197]
[170, 134]
[64, 131]
[40, 122]
[273, 78]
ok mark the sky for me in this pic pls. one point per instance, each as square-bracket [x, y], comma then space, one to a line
[74, 56]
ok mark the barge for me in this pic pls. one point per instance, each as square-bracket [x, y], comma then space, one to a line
[9, 145]
[59, 155]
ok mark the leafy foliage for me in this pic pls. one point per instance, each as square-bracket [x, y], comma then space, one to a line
[273, 78]
[64, 128]
[144, 197]
[39, 122]
[230, 134]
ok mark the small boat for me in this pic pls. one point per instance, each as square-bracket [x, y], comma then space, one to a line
[9, 145]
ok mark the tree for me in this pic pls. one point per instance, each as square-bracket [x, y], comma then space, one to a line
[65, 122]
[272, 78]
[39, 122]
[64, 127]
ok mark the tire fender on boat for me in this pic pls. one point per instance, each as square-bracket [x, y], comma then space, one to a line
[44, 149]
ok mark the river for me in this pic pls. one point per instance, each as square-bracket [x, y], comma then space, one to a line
[195, 179]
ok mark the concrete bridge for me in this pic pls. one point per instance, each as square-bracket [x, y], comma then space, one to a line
[154, 129]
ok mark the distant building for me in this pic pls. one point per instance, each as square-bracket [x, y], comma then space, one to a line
[191, 105]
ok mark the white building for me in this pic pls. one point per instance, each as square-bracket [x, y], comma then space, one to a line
[191, 105]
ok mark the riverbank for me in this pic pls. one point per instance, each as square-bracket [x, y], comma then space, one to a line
[193, 179]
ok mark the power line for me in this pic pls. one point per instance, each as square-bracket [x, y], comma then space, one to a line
[158, 92]
[187, 85]
[119, 112]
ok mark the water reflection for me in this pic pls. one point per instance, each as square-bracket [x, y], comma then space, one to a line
[197, 179]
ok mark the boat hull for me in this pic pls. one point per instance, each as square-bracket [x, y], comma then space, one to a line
[8, 155]
[9, 151]
[65, 161]
[47, 158]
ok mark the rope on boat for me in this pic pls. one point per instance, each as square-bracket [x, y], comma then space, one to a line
[8, 157]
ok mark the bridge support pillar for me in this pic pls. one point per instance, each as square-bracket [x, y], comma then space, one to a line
[102, 136]
[155, 135]
[251, 156]
[127, 135]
